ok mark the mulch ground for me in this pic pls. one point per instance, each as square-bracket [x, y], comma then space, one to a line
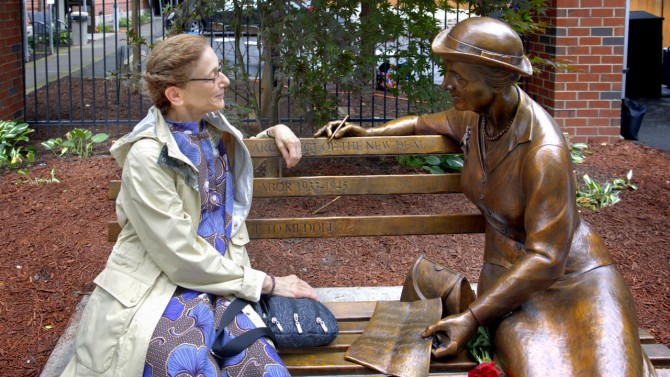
[54, 242]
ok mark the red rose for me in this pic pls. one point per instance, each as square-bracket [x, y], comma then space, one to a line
[484, 370]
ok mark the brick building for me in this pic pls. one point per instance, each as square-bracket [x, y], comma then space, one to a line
[589, 36]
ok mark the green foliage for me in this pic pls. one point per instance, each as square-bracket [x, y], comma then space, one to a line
[577, 151]
[12, 134]
[106, 28]
[434, 164]
[342, 43]
[64, 39]
[596, 196]
[145, 18]
[520, 15]
[78, 142]
[37, 180]
[480, 345]
[125, 22]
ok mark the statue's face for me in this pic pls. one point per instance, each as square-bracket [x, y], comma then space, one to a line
[467, 88]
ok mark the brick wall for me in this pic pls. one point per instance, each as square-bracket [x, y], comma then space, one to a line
[11, 70]
[589, 36]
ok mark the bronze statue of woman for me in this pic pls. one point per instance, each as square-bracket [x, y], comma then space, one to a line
[548, 290]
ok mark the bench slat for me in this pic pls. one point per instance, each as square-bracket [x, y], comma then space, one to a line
[352, 327]
[351, 310]
[357, 185]
[352, 226]
[362, 226]
[659, 354]
[360, 146]
[340, 344]
[113, 231]
[646, 337]
[334, 363]
[345, 185]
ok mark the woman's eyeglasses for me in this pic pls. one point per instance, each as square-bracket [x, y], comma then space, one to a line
[217, 75]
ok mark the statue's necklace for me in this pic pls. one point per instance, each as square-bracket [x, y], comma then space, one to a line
[499, 134]
[510, 120]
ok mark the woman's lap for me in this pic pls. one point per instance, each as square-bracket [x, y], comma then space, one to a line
[182, 339]
[582, 326]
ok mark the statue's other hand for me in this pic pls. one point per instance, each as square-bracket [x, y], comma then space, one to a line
[347, 129]
[453, 332]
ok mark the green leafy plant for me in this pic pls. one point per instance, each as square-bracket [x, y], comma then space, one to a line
[145, 18]
[79, 142]
[37, 180]
[596, 196]
[480, 345]
[481, 348]
[577, 151]
[125, 22]
[11, 135]
[434, 164]
[104, 28]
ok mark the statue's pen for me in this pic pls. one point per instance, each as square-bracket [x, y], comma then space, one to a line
[338, 128]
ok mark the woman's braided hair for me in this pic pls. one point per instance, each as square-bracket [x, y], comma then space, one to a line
[169, 64]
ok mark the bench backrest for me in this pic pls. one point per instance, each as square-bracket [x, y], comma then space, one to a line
[350, 226]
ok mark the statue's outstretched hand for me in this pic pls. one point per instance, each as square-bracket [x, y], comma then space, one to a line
[453, 331]
[347, 129]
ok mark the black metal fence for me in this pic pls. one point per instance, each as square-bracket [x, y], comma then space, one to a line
[77, 60]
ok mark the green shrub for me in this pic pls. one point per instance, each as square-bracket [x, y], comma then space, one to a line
[434, 164]
[577, 151]
[11, 135]
[100, 28]
[596, 196]
[37, 180]
[79, 142]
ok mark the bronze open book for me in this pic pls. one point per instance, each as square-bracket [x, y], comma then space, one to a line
[392, 342]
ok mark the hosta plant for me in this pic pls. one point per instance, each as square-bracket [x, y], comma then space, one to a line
[12, 135]
[79, 142]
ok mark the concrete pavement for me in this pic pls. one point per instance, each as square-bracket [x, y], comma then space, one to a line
[655, 129]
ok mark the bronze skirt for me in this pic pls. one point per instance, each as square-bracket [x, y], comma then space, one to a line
[582, 326]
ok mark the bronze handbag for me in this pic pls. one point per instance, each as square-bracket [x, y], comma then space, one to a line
[428, 279]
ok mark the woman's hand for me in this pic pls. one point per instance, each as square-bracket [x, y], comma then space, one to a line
[347, 129]
[454, 331]
[288, 144]
[289, 286]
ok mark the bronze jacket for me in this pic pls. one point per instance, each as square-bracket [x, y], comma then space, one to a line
[525, 189]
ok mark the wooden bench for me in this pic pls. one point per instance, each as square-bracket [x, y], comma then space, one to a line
[353, 315]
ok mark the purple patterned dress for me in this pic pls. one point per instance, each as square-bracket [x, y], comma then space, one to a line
[180, 345]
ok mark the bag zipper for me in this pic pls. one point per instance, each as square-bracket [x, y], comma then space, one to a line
[295, 317]
[266, 312]
[276, 322]
[318, 319]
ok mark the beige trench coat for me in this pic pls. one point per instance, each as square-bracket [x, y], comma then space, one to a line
[159, 249]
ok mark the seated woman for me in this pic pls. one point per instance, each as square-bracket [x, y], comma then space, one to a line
[180, 258]
[548, 289]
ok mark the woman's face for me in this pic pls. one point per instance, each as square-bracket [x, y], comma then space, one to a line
[467, 88]
[206, 88]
